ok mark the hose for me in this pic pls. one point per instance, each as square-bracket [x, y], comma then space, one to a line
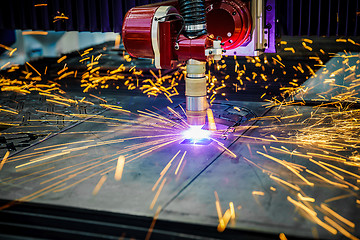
[194, 15]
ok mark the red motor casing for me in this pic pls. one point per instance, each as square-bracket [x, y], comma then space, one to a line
[136, 31]
[229, 19]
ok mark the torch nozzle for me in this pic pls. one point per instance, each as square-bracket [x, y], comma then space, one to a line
[196, 110]
[195, 91]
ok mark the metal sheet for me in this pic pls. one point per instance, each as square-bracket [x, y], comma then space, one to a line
[71, 166]
[262, 201]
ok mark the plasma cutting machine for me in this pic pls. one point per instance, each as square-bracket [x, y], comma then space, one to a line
[197, 31]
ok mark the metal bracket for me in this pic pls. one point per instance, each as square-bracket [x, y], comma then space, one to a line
[266, 38]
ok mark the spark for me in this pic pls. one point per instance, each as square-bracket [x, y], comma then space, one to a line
[211, 121]
[307, 40]
[232, 210]
[225, 220]
[157, 194]
[340, 169]
[98, 98]
[282, 236]
[6, 47]
[290, 49]
[327, 180]
[302, 206]
[338, 198]
[296, 188]
[148, 235]
[79, 181]
[292, 116]
[28, 175]
[166, 168]
[287, 166]
[225, 148]
[33, 68]
[338, 216]
[99, 185]
[35, 33]
[181, 160]
[89, 166]
[60, 17]
[305, 199]
[340, 229]
[260, 193]
[341, 40]
[219, 212]
[119, 168]
[9, 111]
[12, 51]
[328, 169]
[4, 159]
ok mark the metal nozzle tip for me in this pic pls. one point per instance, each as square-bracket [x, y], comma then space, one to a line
[196, 118]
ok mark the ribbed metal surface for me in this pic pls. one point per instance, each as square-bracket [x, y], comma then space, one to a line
[83, 15]
[319, 17]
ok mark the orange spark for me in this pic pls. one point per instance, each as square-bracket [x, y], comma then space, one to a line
[232, 210]
[340, 169]
[148, 235]
[302, 206]
[61, 59]
[61, 17]
[260, 193]
[178, 167]
[119, 168]
[117, 41]
[4, 159]
[211, 120]
[57, 102]
[225, 220]
[340, 229]
[33, 68]
[296, 188]
[338, 216]
[99, 185]
[157, 194]
[219, 212]
[282, 236]
[35, 33]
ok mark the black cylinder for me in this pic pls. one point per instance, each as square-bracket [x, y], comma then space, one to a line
[194, 15]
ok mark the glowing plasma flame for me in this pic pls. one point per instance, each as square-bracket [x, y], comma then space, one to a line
[196, 133]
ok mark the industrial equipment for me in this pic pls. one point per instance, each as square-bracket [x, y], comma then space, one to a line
[196, 31]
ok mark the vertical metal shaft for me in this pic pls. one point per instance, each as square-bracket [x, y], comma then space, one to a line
[195, 91]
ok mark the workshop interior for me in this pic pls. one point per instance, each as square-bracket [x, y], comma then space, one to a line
[180, 119]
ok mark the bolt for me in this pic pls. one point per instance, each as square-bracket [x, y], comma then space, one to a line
[176, 46]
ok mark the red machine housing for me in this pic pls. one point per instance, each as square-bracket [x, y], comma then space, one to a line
[228, 19]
